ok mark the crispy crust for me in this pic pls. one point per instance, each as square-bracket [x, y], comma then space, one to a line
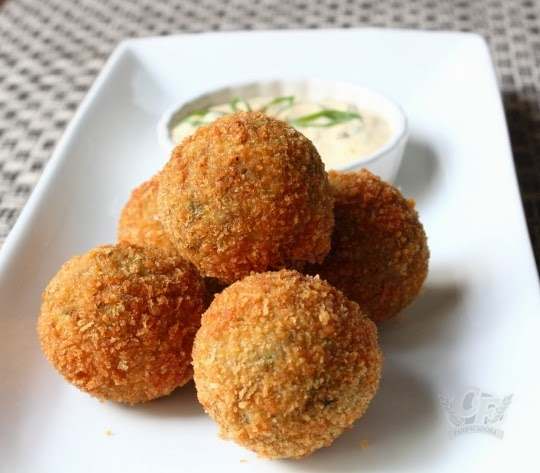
[246, 193]
[284, 363]
[119, 321]
[379, 255]
[139, 223]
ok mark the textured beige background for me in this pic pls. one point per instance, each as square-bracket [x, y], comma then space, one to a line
[51, 50]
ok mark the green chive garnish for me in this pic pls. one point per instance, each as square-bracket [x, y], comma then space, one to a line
[198, 117]
[287, 101]
[325, 118]
[236, 101]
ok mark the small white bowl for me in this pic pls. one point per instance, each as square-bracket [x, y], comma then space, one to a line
[384, 162]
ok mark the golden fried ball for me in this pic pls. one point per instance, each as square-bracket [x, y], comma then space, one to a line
[139, 223]
[246, 193]
[284, 363]
[379, 255]
[119, 321]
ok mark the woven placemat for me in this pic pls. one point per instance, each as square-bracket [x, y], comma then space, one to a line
[50, 52]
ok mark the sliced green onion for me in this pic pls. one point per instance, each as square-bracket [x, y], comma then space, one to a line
[197, 117]
[325, 118]
[286, 100]
[236, 101]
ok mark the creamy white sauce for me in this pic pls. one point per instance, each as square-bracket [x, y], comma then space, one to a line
[341, 132]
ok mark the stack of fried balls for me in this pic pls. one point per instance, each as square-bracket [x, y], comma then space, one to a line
[244, 266]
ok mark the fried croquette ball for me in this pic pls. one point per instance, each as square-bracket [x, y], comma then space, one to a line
[379, 255]
[284, 363]
[246, 193]
[119, 322]
[139, 223]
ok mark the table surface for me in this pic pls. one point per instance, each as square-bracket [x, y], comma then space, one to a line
[50, 53]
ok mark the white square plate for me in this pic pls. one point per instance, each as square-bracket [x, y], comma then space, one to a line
[476, 324]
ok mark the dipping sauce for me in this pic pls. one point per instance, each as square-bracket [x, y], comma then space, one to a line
[341, 132]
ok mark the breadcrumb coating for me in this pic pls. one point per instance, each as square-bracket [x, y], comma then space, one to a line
[284, 363]
[246, 193]
[119, 321]
[139, 223]
[379, 255]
